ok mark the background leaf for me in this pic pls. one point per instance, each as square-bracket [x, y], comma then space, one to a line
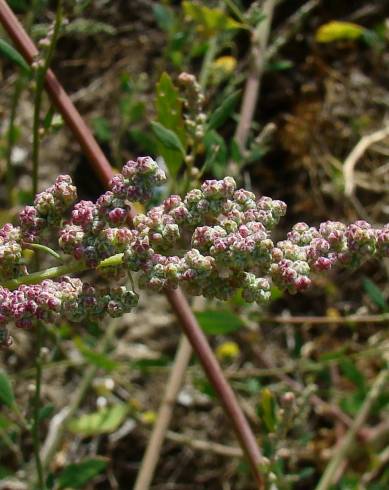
[104, 421]
[223, 112]
[6, 393]
[14, 56]
[169, 115]
[215, 322]
[78, 474]
[338, 31]
[375, 294]
[167, 137]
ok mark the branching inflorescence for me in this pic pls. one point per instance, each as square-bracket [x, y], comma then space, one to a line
[214, 241]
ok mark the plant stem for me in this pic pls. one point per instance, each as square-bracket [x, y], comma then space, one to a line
[39, 81]
[37, 407]
[345, 445]
[51, 273]
[10, 177]
[208, 59]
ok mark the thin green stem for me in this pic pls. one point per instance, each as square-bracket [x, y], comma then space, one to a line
[208, 59]
[39, 87]
[37, 407]
[42, 248]
[10, 174]
[51, 273]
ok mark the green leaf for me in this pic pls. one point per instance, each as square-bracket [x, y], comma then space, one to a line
[164, 17]
[210, 21]
[6, 393]
[14, 56]
[101, 129]
[96, 358]
[169, 114]
[375, 294]
[78, 474]
[223, 112]
[167, 137]
[267, 408]
[338, 31]
[104, 421]
[216, 154]
[46, 412]
[351, 372]
[218, 322]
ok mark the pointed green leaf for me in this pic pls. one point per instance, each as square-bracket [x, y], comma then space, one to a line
[338, 31]
[102, 422]
[14, 56]
[6, 393]
[268, 409]
[78, 474]
[375, 294]
[169, 114]
[216, 322]
[96, 358]
[167, 137]
[223, 112]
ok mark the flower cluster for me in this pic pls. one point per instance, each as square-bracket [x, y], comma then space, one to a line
[50, 207]
[213, 241]
[68, 298]
[98, 230]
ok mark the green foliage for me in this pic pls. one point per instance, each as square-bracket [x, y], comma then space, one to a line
[79, 474]
[375, 294]
[10, 53]
[169, 126]
[267, 409]
[101, 129]
[7, 396]
[219, 322]
[96, 358]
[103, 421]
[338, 31]
[169, 140]
[224, 111]
[209, 20]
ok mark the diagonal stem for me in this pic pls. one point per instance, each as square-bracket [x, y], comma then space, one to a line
[177, 300]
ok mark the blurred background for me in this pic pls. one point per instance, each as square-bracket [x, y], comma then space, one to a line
[317, 138]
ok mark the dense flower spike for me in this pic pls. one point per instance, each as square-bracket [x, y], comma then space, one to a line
[213, 241]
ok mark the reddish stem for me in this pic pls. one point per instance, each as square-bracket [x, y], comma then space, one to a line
[176, 298]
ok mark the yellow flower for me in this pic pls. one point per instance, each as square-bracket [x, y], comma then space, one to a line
[228, 350]
[225, 64]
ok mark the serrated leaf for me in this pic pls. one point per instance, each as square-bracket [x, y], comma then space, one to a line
[14, 56]
[96, 358]
[375, 294]
[169, 114]
[338, 31]
[78, 474]
[167, 137]
[6, 392]
[104, 421]
[223, 112]
[218, 322]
